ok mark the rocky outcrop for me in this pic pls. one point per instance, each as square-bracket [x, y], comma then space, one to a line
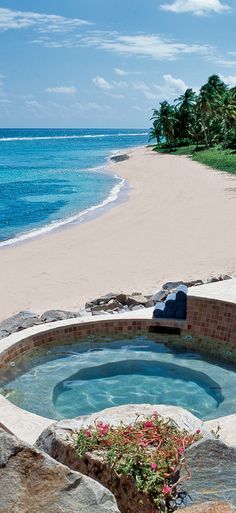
[26, 319]
[57, 315]
[31, 481]
[107, 304]
[20, 321]
[119, 158]
[58, 440]
[213, 472]
[211, 507]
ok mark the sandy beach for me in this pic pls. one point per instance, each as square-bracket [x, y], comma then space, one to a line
[179, 222]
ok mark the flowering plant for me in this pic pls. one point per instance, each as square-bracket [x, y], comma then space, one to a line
[152, 451]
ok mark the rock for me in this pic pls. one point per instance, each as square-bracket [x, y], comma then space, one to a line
[211, 507]
[223, 277]
[137, 307]
[19, 321]
[139, 299]
[171, 285]
[102, 300]
[122, 298]
[119, 158]
[212, 279]
[112, 305]
[213, 469]
[160, 295]
[31, 481]
[53, 439]
[193, 283]
[58, 440]
[4, 333]
[57, 315]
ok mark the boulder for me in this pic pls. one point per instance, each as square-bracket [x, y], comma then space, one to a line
[102, 300]
[211, 507]
[58, 440]
[122, 298]
[213, 472]
[112, 305]
[212, 279]
[119, 158]
[19, 321]
[171, 285]
[193, 283]
[31, 481]
[139, 299]
[160, 295]
[57, 315]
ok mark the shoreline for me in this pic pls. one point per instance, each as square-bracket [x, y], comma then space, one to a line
[117, 194]
[178, 224]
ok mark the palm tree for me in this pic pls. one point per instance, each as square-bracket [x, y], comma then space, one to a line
[155, 133]
[186, 104]
[228, 111]
[165, 122]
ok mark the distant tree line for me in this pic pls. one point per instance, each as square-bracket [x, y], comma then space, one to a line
[204, 119]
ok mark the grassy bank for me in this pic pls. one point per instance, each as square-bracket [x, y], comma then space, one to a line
[217, 158]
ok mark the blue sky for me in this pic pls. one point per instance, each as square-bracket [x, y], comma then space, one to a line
[107, 63]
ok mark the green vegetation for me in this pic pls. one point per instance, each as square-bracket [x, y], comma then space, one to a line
[216, 157]
[151, 452]
[203, 125]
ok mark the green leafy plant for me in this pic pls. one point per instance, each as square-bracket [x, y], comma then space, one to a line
[152, 451]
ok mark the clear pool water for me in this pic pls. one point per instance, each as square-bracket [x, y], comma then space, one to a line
[86, 377]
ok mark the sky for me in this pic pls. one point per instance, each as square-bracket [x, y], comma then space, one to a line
[108, 63]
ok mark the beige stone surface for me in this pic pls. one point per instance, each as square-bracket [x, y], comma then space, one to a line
[210, 507]
[32, 482]
[223, 290]
[178, 224]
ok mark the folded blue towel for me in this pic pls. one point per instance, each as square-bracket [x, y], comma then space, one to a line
[158, 310]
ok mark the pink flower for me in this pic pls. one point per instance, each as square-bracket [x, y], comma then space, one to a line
[103, 429]
[182, 450]
[166, 489]
[148, 424]
[198, 431]
[153, 466]
[87, 433]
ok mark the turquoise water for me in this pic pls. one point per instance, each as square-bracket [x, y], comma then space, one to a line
[86, 377]
[49, 177]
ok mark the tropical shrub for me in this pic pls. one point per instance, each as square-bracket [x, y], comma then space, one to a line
[152, 451]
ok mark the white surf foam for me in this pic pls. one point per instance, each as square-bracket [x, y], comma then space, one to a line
[85, 136]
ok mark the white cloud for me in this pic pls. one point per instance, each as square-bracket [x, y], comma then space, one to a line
[34, 104]
[123, 73]
[229, 80]
[120, 72]
[142, 45]
[102, 83]
[62, 90]
[90, 106]
[177, 84]
[10, 19]
[225, 62]
[171, 88]
[116, 96]
[197, 7]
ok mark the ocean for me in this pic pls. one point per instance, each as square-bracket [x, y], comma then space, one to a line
[52, 177]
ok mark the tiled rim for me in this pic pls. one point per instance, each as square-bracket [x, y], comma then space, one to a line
[207, 319]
